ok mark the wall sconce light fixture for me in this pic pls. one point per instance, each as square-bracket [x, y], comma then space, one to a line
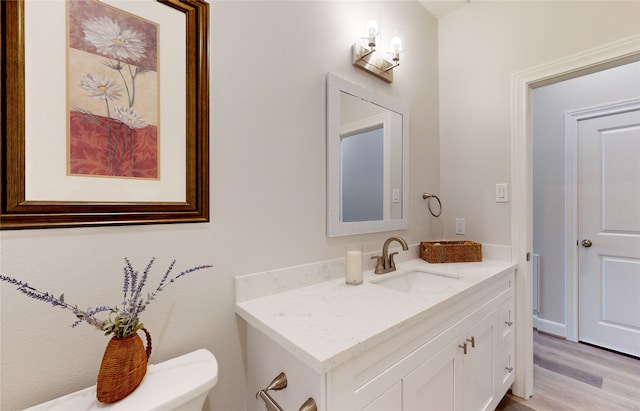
[368, 59]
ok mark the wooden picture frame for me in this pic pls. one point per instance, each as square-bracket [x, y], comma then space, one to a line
[19, 212]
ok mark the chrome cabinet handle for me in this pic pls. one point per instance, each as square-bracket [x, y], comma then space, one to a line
[586, 243]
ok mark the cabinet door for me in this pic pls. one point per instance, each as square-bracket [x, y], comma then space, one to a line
[506, 323]
[506, 347]
[389, 401]
[479, 364]
[435, 385]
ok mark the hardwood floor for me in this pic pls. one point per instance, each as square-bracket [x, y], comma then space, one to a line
[571, 376]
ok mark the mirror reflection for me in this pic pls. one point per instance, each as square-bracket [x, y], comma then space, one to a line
[370, 162]
[367, 160]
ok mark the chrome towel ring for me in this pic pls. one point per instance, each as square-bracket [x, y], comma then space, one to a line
[428, 197]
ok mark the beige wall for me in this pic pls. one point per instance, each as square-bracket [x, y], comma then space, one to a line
[481, 46]
[269, 65]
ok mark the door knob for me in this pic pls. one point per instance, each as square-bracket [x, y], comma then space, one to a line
[586, 243]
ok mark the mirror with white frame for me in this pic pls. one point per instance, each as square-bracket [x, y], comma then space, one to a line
[367, 160]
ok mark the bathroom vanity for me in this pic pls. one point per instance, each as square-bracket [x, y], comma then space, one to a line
[427, 336]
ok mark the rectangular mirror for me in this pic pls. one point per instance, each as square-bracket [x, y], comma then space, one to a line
[367, 160]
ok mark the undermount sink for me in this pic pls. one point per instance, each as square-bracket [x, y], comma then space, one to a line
[418, 282]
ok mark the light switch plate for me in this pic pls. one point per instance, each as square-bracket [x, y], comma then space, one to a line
[396, 195]
[502, 193]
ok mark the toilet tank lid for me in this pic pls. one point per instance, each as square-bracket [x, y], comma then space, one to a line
[179, 380]
[165, 386]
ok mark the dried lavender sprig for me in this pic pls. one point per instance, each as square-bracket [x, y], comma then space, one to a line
[49, 298]
[13, 281]
[140, 306]
[37, 295]
[190, 270]
[128, 270]
[164, 277]
[134, 278]
[126, 320]
[134, 301]
[160, 287]
[88, 316]
[151, 297]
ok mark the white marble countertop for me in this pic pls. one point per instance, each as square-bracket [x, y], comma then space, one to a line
[329, 323]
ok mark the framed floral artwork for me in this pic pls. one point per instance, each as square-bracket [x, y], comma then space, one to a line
[105, 113]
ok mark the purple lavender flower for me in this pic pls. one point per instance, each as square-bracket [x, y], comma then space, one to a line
[126, 320]
[164, 277]
[143, 280]
[134, 275]
[56, 302]
[89, 316]
[128, 269]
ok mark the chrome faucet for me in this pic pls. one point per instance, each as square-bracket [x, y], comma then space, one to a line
[384, 262]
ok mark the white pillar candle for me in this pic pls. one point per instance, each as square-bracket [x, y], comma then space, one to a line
[354, 265]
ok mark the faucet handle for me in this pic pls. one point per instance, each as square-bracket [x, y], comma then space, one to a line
[379, 264]
[392, 264]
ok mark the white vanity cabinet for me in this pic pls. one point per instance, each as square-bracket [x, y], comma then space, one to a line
[467, 367]
[458, 377]
[420, 366]
[453, 379]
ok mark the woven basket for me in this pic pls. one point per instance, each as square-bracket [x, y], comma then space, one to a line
[123, 367]
[450, 251]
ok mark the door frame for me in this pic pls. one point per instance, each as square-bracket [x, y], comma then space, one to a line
[624, 51]
[571, 192]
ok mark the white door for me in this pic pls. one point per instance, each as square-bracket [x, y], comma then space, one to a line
[609, 231]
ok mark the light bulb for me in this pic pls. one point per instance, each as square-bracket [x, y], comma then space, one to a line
[371, 19]
[372, 28]
[396, 44]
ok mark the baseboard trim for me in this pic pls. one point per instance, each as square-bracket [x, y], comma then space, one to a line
[550, 327]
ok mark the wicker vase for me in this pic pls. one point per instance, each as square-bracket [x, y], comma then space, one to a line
[123, 367]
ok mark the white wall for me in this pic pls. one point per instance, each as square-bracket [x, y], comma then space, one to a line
[481, 46]
[550, 103]
[269, 65]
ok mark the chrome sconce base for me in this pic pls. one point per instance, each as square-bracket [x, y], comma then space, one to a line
[370, 61]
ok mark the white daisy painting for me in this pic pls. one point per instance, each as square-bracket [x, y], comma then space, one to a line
[112, 92]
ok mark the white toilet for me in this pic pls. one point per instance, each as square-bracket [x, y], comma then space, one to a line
[179, 384]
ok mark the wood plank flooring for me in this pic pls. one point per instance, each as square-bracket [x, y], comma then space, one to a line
[578, 377]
